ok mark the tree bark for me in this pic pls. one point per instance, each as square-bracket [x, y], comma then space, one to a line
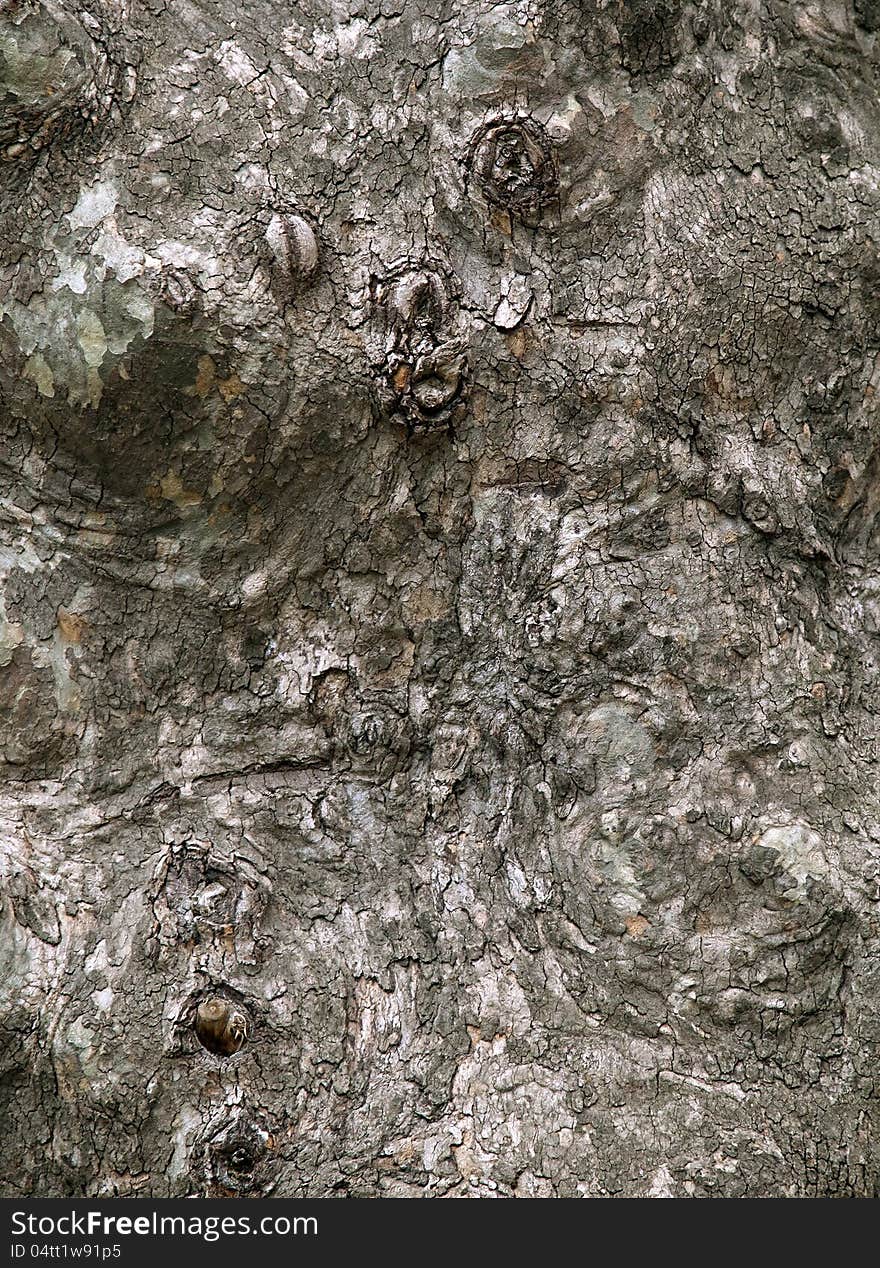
[440, 598]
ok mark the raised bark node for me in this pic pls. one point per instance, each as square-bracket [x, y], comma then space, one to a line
[293, 248]
[238, 1159]
[514, 164]
[208, 902]
[424, 364]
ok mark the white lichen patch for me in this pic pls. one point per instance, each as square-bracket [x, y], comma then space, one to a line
[187, 1125]
[71, 274]
[802, 854]
[236, 64]
[119, 256]
[10, 636]
[95, 203]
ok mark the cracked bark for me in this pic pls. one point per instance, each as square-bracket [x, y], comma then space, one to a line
[440, 598]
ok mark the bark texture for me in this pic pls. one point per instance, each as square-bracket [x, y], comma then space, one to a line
[440, 597]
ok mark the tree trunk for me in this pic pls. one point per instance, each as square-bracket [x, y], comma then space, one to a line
[440, 598]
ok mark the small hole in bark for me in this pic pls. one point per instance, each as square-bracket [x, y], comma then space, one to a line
[221, 1026]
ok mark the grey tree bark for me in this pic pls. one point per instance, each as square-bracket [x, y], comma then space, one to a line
[440, 597]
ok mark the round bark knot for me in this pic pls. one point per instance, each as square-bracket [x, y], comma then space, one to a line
[221, 1026]
[178, 292]
[293, 246]
[238, 1158]
[423, 367]
[436, 381]
[417, 302]
[425, 388]
[377, 741]
[514, 163]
